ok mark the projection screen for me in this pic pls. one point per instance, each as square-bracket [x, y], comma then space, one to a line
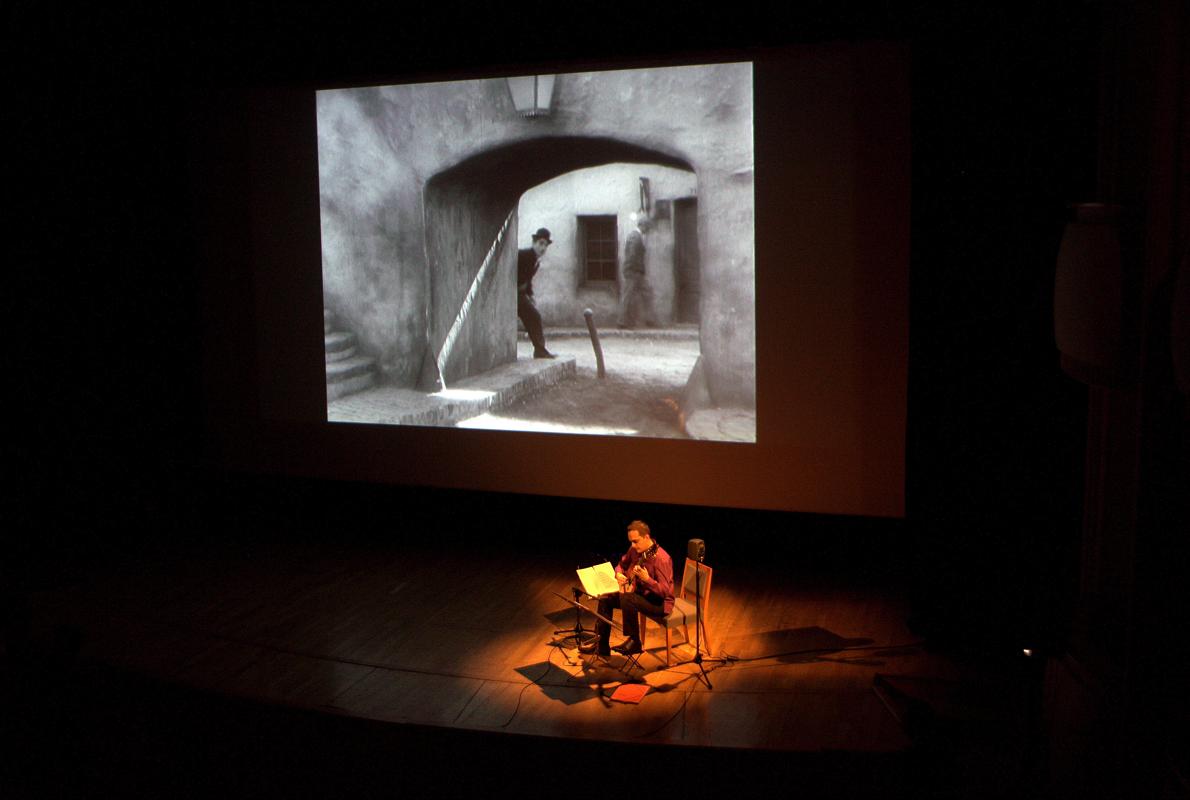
[728, 239]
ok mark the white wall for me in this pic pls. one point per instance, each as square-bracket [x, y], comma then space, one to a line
[611, 189]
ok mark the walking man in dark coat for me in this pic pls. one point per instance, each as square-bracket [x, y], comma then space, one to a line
[636, 297]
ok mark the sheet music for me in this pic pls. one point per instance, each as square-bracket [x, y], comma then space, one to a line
[599, 579]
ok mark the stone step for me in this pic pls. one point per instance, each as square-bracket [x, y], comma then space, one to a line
[677, 332]
[488, 392]
[337, 371]
[346, 370]
[340, 355]
[339, 345]
[349, 386]
[338, 340]
[349, 375]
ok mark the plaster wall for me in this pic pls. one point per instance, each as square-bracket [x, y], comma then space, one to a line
[614, 189]
[460, 227]
[458, 155]
[727, 310]
[373, 255]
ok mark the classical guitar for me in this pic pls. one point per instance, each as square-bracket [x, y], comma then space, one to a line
[630, 586]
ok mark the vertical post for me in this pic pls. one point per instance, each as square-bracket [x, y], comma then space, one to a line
[590, 317]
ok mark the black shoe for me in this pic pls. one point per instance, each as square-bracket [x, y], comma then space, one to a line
[543, 354]
[628, 647]
[598, 648]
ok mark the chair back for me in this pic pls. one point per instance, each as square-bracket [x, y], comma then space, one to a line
[696, 582]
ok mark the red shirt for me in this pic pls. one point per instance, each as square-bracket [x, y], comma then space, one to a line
[661, 574]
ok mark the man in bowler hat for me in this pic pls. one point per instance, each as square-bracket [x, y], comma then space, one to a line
[527, 264]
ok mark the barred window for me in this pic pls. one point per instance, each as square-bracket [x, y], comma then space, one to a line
[598, 243]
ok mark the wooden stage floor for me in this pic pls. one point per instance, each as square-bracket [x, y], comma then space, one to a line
[463, 641]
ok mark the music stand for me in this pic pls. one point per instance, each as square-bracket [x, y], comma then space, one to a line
[581, 608]
[578, 632]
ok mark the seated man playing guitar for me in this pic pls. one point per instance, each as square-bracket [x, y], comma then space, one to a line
[646, 577]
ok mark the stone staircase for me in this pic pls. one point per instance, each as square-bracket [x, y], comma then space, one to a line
[346, 370]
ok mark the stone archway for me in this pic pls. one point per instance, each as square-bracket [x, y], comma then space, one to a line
[465, 206]
[416, 179]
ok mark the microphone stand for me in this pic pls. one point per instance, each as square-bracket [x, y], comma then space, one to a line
[702, 671]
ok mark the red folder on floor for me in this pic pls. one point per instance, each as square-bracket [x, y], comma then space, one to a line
[630, 692]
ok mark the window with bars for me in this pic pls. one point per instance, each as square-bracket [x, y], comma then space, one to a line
[599, 245]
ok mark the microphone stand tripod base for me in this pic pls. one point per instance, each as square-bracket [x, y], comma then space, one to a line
[703, 675]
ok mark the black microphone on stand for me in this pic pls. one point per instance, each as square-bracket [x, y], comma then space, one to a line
[696, 550]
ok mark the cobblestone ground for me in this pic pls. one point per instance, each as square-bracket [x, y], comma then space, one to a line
[639, 395]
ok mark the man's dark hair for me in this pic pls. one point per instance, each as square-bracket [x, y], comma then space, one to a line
[640, 527]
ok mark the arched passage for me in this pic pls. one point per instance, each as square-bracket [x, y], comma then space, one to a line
[465, 207]
[416, 179]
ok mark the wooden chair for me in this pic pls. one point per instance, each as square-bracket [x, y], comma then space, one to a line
[683, 611]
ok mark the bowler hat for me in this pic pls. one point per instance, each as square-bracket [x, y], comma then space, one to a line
[543, 233]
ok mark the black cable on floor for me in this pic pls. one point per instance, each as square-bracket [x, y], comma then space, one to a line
[549, 664]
